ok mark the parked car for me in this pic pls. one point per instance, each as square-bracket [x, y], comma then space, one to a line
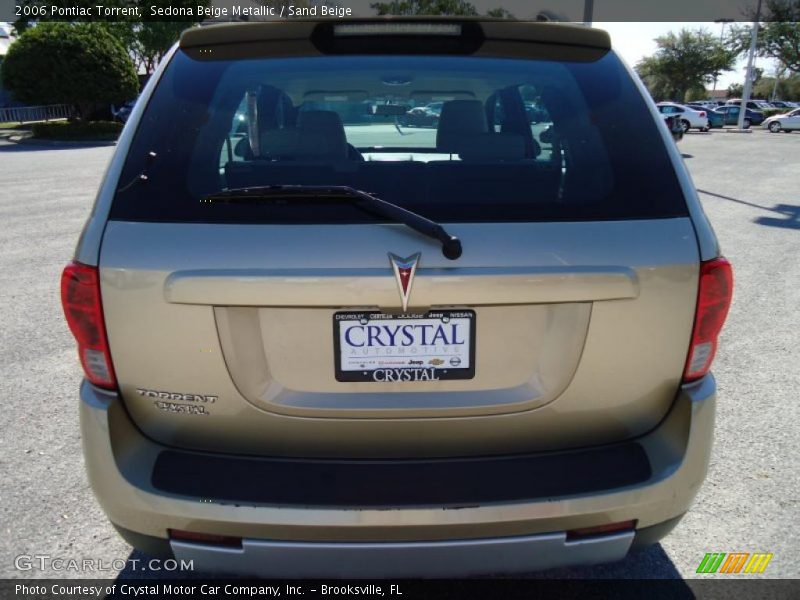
[674, 125]
[786, 122]
[689, 117]
[435, 107]
[730, 115]
[420, 116]
[340, 352]
[122, 112]
[715, 119]
[757, 105]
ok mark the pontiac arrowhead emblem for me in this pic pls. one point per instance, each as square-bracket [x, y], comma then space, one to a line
[404, 270]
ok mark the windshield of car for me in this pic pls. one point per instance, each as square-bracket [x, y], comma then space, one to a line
[454, 138]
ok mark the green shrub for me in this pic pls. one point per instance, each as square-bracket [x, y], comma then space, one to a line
[80, 64]
[77, 131]
[768, 112]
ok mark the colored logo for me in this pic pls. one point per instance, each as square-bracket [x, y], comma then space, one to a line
[404, 270]
[734, 562]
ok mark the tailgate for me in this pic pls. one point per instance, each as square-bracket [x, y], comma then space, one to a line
[224, 337]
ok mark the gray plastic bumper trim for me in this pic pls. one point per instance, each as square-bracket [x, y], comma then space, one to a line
[452, 558]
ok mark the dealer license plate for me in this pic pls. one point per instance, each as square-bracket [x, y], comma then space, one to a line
[412, 347]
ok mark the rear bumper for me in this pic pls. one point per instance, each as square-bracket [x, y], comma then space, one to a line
[413, 537]
[454, 558]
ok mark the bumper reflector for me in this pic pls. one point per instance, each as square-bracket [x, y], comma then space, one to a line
[205, 538]
[586, 532]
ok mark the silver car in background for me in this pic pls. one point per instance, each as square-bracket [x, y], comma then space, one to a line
[786, 122]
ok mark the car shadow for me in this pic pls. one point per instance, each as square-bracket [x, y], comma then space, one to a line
[790, 212]
[648, 563]
[792, 220]
[9, 147]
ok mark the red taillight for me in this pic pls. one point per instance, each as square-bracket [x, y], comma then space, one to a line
[80, 297]
[702, 114]
[714, 294]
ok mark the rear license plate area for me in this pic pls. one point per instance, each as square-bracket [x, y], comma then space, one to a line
[410, 347]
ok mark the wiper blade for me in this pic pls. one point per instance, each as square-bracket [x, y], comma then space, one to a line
[451, 245]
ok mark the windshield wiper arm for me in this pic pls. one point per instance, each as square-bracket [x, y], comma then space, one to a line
[451, 245]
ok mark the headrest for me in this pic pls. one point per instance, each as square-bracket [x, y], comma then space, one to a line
[283, 144]
[491, 147]
[326, 123]
[319, 134]
[459, 118]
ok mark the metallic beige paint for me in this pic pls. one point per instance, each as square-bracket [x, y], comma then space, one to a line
[119, 462]
[582, 333]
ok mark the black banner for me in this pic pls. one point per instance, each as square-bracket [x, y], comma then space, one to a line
[597, 11]
[506, 589]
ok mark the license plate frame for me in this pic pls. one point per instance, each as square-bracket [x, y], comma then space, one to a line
[447, 371]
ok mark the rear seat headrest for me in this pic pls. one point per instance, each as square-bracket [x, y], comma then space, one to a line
[326, 123]
[318, 134]
[459, 118]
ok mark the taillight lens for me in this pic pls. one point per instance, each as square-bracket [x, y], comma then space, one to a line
[713, 301]
[80, 297]
[702, 114]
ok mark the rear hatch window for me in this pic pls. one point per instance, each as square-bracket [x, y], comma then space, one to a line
[455, 138]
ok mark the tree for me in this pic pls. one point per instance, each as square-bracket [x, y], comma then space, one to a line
[80, 64]
[146, 39]
[684, 61]
[499, 13]
[735, 90]
[787, 88]
[435, 7]
[778, 37]
[425, 7]
[696, 93]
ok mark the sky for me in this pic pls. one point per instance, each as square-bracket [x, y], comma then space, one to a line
[634, 41]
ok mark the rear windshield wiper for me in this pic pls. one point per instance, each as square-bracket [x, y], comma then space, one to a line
[451, 245]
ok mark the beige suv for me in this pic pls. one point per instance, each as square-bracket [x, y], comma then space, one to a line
[317, 342]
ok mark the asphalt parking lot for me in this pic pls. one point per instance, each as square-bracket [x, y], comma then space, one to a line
[751, 191]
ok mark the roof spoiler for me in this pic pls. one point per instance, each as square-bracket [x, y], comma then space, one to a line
[429, 28]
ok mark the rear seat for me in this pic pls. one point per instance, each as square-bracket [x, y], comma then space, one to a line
[491, 165]
[316, 153]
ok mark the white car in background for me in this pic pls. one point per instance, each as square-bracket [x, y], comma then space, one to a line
[690, 118]
[786, 122]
